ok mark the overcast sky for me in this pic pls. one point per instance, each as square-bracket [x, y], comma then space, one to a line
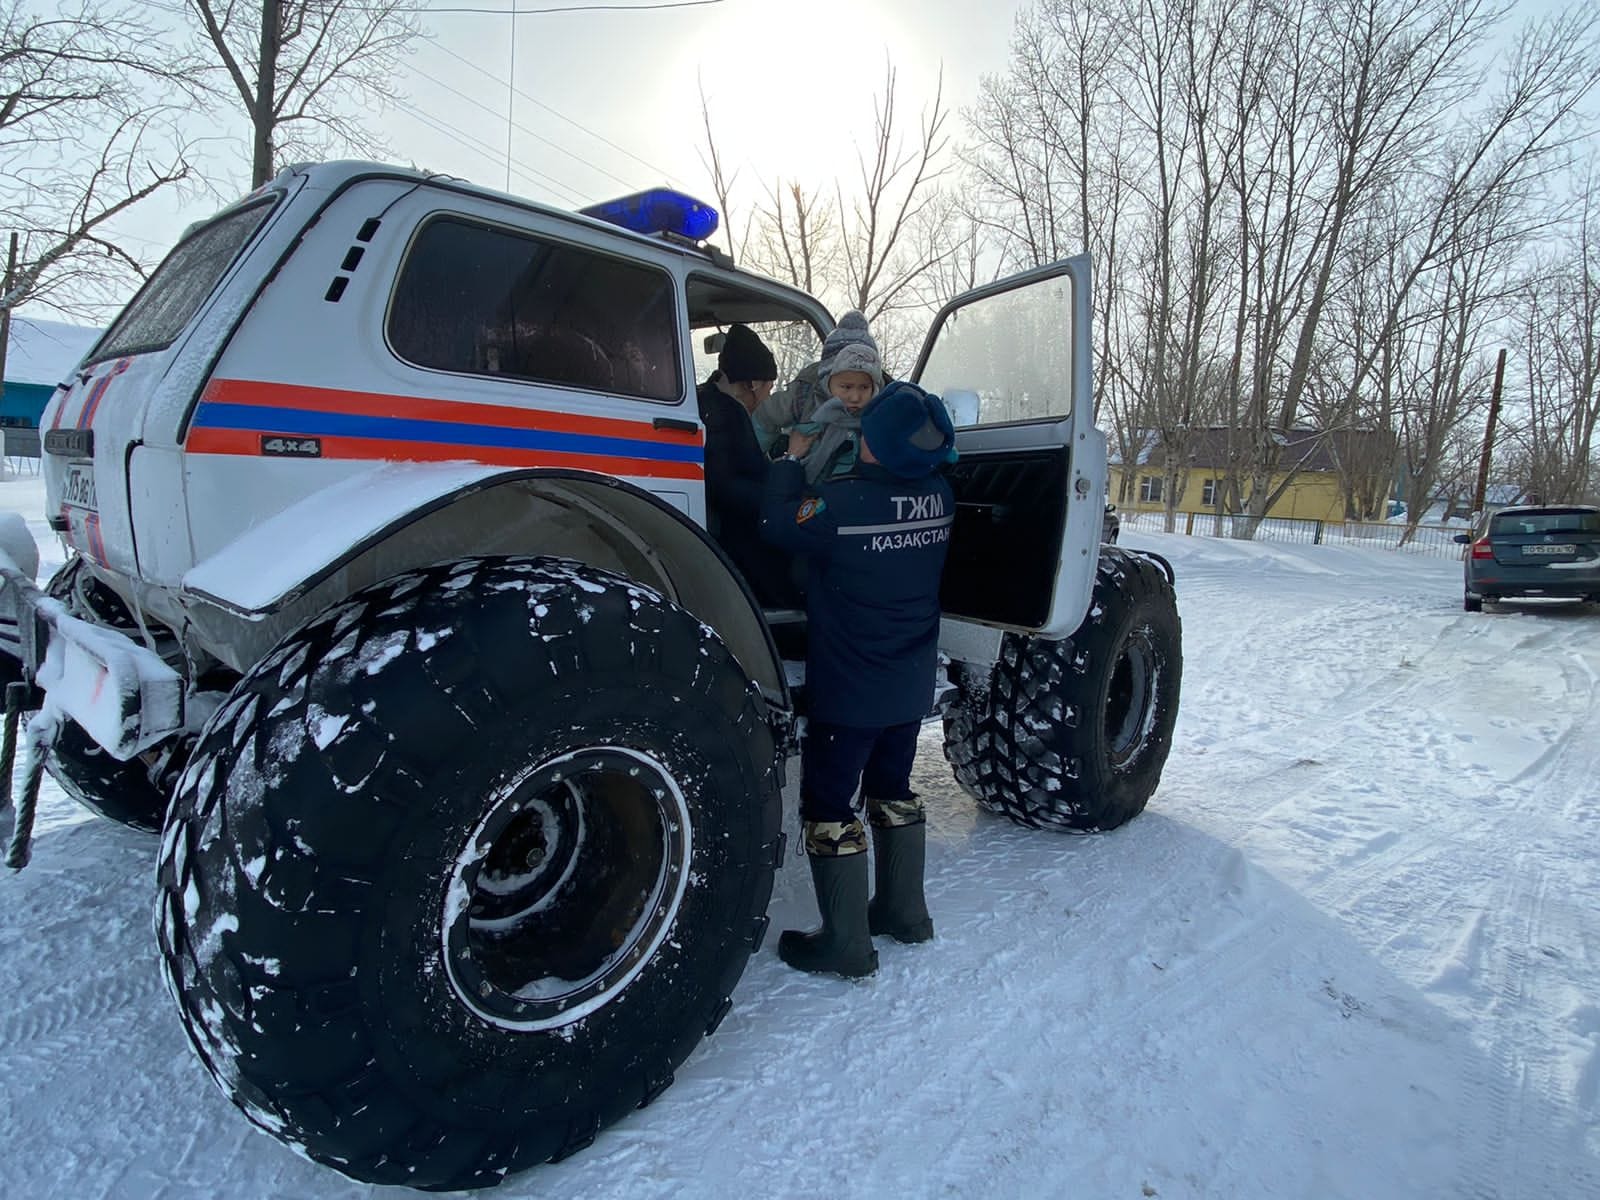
[610, 100]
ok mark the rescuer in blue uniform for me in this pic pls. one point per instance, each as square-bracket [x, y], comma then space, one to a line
[875, 543]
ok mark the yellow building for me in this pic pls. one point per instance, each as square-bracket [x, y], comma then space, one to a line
[1315, 491]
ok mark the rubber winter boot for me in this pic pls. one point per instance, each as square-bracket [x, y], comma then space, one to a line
[899, 908]
[842, 946]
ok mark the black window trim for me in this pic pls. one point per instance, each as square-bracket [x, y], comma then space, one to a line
[774, 290]
[679, 311]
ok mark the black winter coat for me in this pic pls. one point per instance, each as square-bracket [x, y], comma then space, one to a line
[736, 475]
[875, 545]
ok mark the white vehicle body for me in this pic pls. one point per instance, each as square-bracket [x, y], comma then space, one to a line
[249, 444]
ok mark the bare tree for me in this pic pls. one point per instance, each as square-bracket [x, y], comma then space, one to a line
[881, 260]
[303, 70]
[84, 142]
[721, 182]
[1559, 328]
[798, 235]
[882, 244]
[1052, 157]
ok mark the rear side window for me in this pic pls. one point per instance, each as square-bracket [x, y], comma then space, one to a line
[1508, 524]
[181, 284]
[483, 300]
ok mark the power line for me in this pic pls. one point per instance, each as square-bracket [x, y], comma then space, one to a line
[490, 75]
[534, 12]
[438, 125]
[524, 129]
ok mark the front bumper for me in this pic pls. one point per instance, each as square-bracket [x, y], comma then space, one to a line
[121, 693]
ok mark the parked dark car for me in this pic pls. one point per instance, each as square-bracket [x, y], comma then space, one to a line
[1110, 525]
[1532, 551]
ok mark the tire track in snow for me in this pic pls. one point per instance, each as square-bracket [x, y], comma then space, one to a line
[76, 1010]
[1515, 1151]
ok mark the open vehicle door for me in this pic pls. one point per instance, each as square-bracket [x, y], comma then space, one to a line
[1012, 362]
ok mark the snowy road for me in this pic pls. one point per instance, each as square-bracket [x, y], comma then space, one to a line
[1350, 951]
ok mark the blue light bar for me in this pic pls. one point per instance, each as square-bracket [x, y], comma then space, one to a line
[660, 210]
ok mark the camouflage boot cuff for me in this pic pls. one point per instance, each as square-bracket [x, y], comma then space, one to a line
[889, 814]
[835, 839]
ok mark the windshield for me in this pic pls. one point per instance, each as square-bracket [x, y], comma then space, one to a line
[158, 314]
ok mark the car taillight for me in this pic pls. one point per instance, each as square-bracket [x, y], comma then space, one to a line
[1480, 549]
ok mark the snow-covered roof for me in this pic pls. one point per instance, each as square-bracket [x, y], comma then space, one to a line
[44, 352]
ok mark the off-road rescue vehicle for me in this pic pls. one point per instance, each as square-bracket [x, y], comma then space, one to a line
[393, 607]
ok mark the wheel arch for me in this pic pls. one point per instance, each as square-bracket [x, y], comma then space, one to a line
[418, 517]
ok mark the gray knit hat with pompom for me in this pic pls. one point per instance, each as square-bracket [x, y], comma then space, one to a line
[850, 331]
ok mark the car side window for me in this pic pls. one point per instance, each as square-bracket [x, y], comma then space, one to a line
[481, 299]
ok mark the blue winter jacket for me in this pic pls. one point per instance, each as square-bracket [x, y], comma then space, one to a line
[875, 545]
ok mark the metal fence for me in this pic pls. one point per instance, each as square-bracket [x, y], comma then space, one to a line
[19, 451]
[1436, 541]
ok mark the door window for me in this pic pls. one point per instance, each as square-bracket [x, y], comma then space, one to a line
[1005, 357]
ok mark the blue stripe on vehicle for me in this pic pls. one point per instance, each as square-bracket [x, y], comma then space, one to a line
[312, 423]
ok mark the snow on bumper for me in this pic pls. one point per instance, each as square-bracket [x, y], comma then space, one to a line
[122, 694]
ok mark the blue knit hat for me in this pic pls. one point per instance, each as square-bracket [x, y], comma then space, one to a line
[908, 430]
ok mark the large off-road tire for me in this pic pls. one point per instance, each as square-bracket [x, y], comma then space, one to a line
[133, 793]
[463, 870]
[1073, 734]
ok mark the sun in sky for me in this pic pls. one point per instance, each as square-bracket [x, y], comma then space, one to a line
[791, 84]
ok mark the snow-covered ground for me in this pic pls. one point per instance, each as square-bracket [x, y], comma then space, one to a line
[1351, 950]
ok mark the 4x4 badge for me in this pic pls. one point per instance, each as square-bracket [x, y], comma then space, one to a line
[291, 447]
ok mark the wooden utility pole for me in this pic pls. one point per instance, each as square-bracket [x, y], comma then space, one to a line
[1480, 493]
[5, 312]
[262, 114]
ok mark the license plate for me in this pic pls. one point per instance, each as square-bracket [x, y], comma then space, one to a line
[1564, 548]
[79, 491]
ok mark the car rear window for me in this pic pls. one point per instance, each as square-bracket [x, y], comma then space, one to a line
[157, 315]
[1513, 524]
[483, 300]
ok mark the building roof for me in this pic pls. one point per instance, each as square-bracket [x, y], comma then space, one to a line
[44, 352]
[1214, 448]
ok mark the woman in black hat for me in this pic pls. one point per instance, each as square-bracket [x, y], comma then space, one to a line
[736, 469]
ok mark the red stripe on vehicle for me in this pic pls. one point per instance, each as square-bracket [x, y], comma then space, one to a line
[457, 412]
[97, 542]
[248, 442]
[91, 404]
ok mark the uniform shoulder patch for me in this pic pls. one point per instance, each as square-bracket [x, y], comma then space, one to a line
[809, 509]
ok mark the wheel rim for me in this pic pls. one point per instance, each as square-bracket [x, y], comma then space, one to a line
[566, 887]
[1131, 698]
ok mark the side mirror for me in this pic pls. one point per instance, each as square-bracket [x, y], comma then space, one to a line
[1462, 539]
[962, 405]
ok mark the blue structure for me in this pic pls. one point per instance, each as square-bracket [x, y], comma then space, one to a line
[39, 355]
